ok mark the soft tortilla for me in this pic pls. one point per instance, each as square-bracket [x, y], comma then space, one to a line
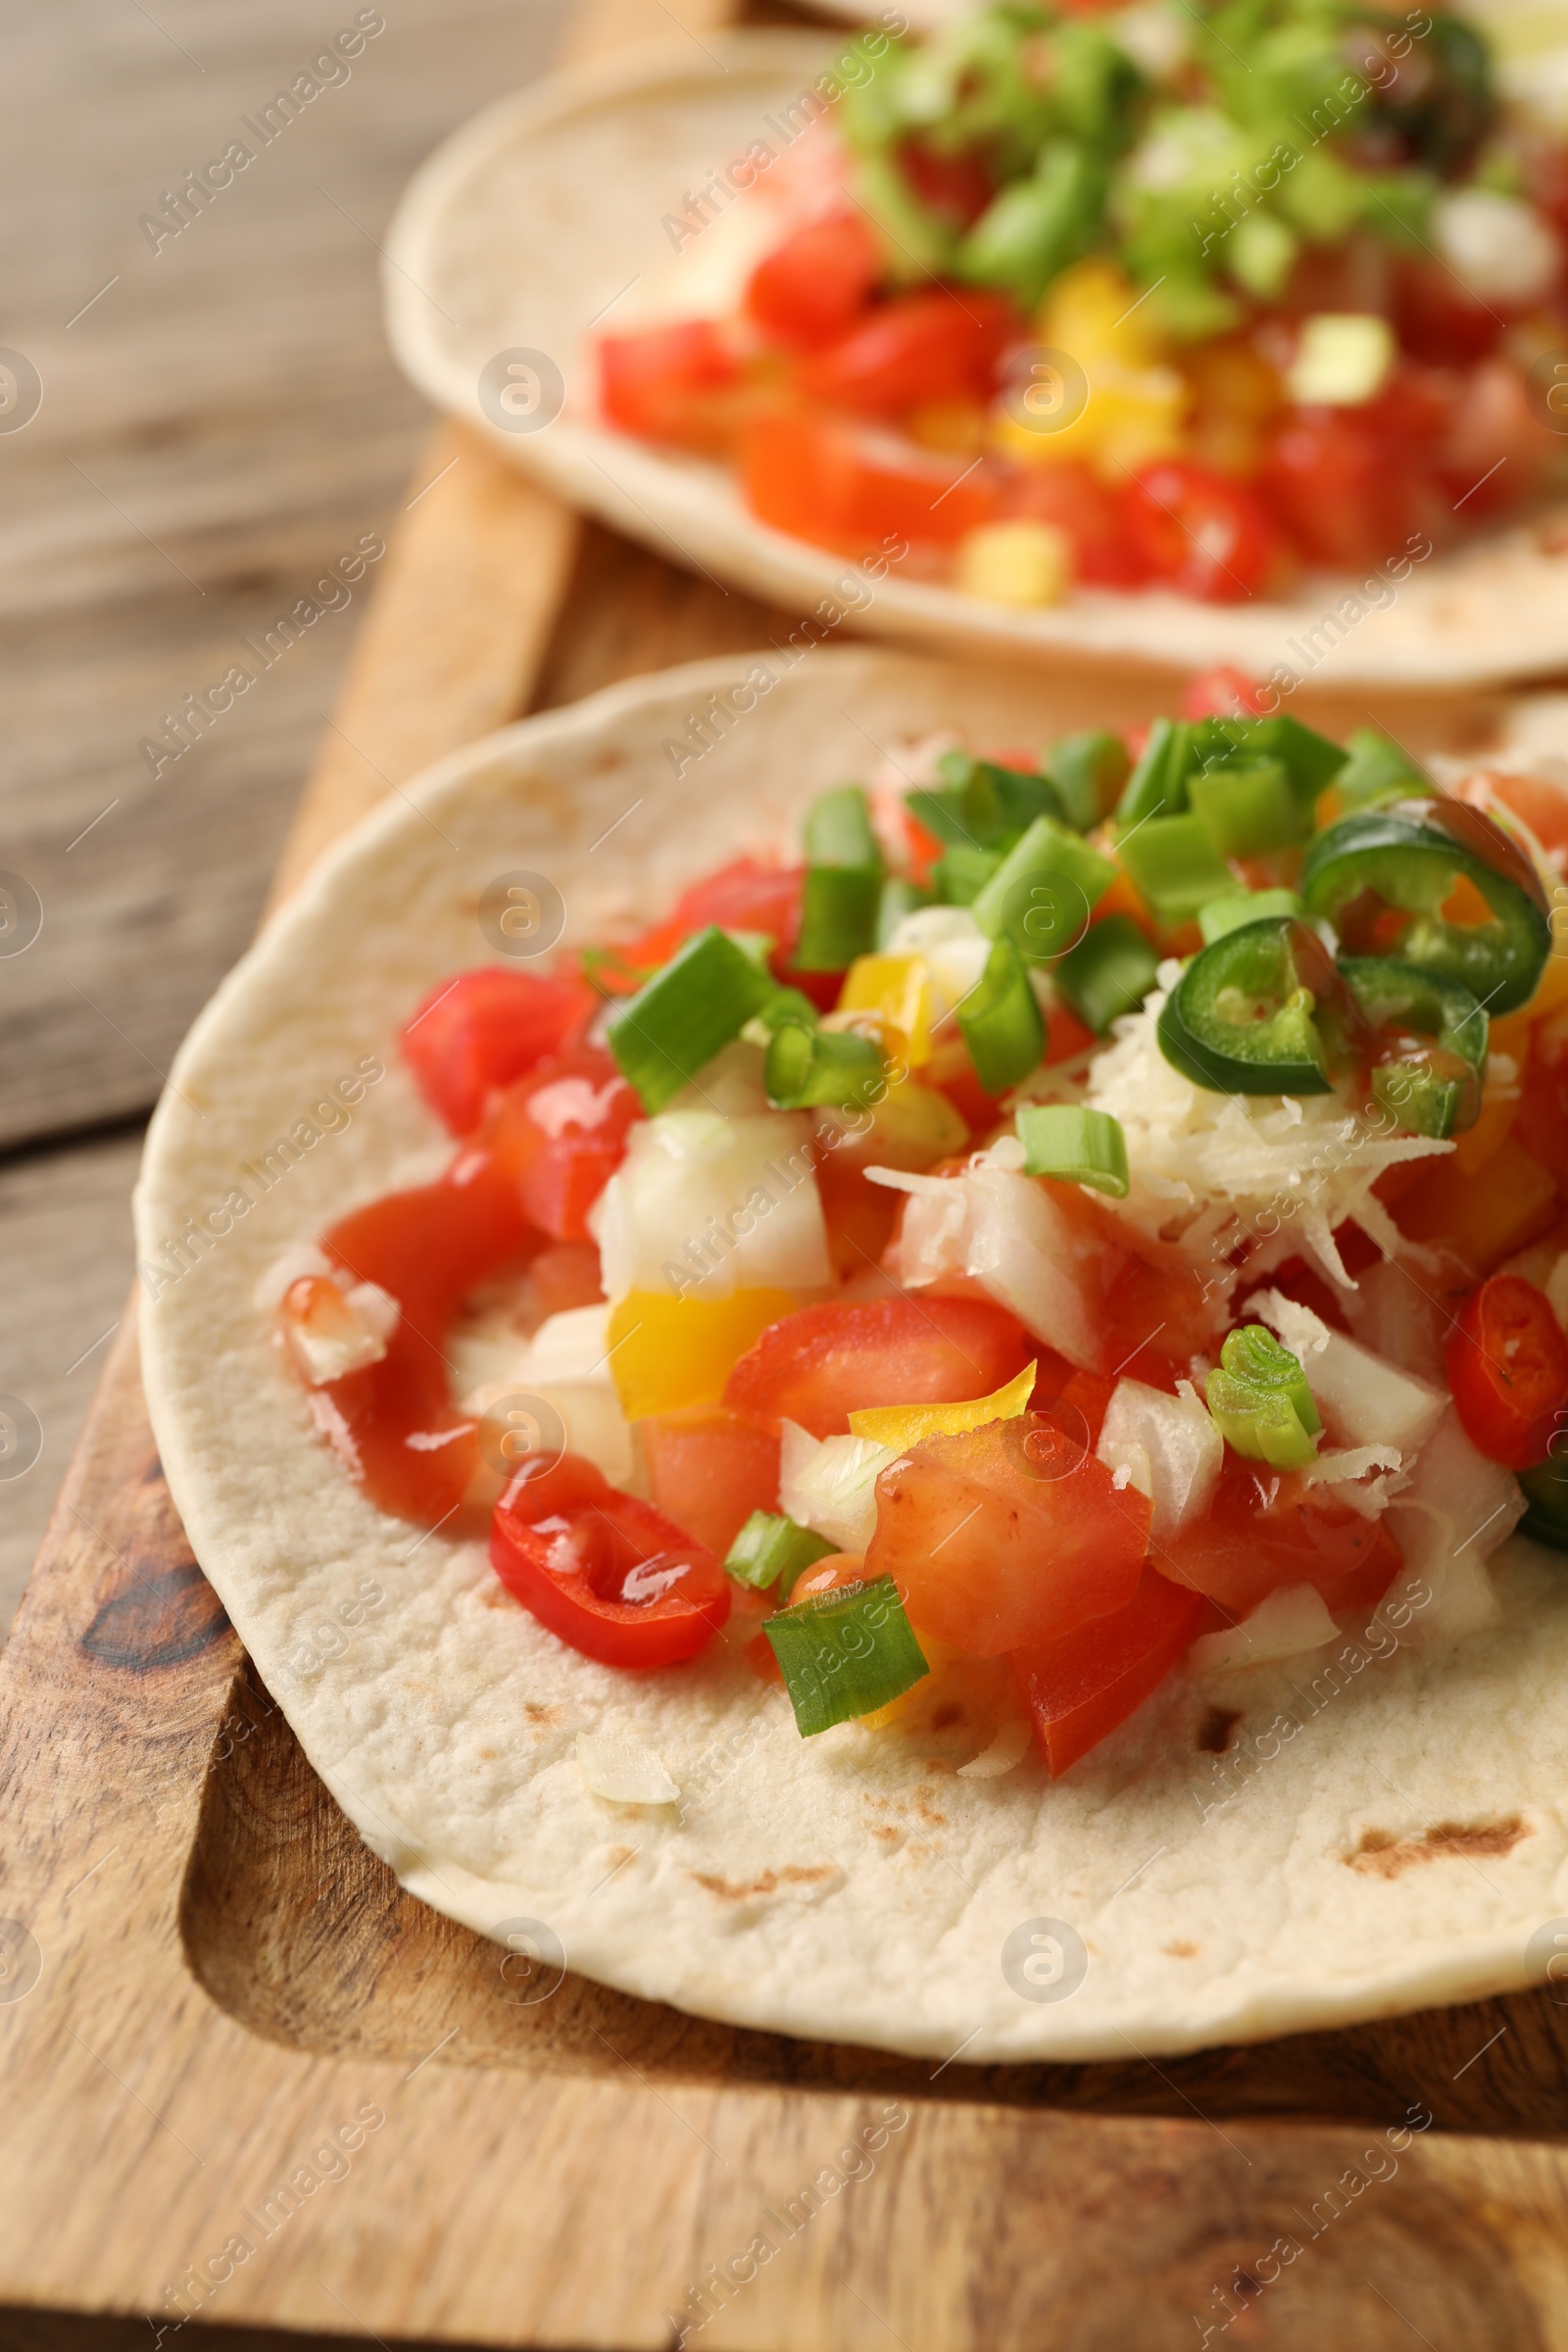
[540, 225]
[853, 1884]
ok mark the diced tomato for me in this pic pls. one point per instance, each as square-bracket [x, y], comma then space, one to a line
[836, 483]
[859, 1216]
[744, 896]
[1065, 1034]
[1437, 319]
[1342, 487]
[1263, 1531]
[1081, 1403]
[938, 345]
[814, 285]
[1482, 1218]
[1080, 1686]
[818, 1365]
[565, 1276]
[1507, 1365]
[952, 1073]
[485, 1028]
[561, 1134]
[1067, 494]
[1220, 693]
[1200, 533]
[604, 1572]
[393, 1425]
[1007, 1536]
[671, 383]
[1537, 801]
[829, 1575]
[709, 1469]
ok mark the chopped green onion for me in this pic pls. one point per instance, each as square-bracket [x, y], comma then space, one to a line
[1157, 785]
[1250, 809]
[679, 1020]
[996, 803]
[808, 1067]
[1088, 772]
[843, 882]
[1041, 894]
[1110, 972]
[962, 874]
[1261, 1400]
[1000, 1021]
[1241, 907]
[898, 898]
[845, 1653]
[774, 1550]
[1071, 1140]
[838, 916]
[1377, 766]
[786, 1005]
[1309, 759]
[838, 829]
[1175, 866]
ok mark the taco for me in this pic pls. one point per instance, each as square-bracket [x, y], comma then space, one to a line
[900, 1413]
[1111, 343]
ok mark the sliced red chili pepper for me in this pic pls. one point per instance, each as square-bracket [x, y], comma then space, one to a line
[1507, 1364]
[606, 1573]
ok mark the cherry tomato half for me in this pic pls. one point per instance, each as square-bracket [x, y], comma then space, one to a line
[606, 1573]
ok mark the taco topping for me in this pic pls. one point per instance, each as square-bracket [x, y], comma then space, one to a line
[1152, 295]
[1089, 1206]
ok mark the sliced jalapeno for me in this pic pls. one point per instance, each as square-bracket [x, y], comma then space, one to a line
[1263, 1012]
[1546, 1496]
[1370, 870]
[1430, 1044]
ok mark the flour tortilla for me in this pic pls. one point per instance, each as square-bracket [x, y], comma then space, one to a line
[851, 1885]
[541, 225]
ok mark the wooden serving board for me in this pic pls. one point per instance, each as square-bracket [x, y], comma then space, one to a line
[246, 2081]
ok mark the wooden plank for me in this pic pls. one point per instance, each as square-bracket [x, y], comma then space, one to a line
[219, 425]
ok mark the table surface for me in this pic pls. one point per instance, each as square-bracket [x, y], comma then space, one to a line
[221, 422]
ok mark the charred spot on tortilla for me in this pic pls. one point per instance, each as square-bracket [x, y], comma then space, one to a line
[1180, 1951]
[766, 1882]
[1383, 1855]
[1214, 1731]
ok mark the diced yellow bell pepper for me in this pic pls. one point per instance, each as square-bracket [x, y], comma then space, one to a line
[1499, 1099]
[1137, 402]
[1022, 563]
[1484, 1218]
[897, 989]
[936, 1656]
[914, 1126]
[903, 1425]
[667, 1352]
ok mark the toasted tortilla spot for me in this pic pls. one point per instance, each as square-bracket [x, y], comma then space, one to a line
[1214, 1731]
[1384, 1857]
[538, 1714]
[888, 1835]
[930, 1813]
[1180, 1951]
[767, 1881]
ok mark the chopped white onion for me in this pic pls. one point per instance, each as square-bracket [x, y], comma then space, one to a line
[1293, 1619]
[1558, 1289]
[356, 1335]
[1502, 250]
[1170, 1447]
[1004, 1232]
[303, 1257]
[954, 949]
[829, 1485]
[623, 1771]
[1366, 1400]
[710, 1205]
[1007, 1751]
[1454, 1512]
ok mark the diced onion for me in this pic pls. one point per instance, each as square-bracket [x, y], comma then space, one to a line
[623, 1771]
[1004, 1232]
[1171, 1447]
[1367, 1401]
[829, 1485]
[697, 1191]
[1007, 1751]
[1293, 1619]
[1454, 1512]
